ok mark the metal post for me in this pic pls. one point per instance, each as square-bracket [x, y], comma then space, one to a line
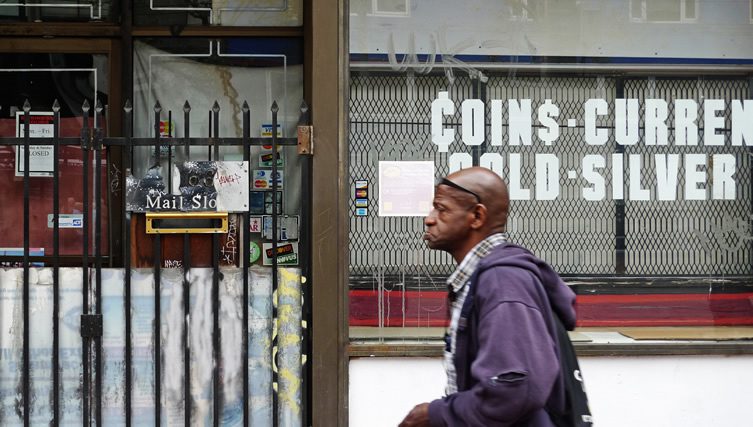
[275, 380]
[246, 264]
[478, 91]
[98, 256]
[26, 365]
[619, 217]
[305, 250]
[56, 263]
[157, 249]
[128, 129]
[186, 288]
[85, 141]
[216, 287]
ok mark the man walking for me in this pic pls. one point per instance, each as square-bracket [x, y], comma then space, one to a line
[501, 351]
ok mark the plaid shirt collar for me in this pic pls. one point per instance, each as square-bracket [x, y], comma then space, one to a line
[460, 276]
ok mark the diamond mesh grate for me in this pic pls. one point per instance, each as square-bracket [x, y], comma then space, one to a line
[390, 120]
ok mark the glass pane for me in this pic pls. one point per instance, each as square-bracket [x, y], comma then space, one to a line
[232, 13]
[41, 79]
[665, 11]
[690, 9]
[56, 10]
[229, 72]
[652, 210]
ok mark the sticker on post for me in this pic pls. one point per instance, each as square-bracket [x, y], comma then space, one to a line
[265, 159]
[287, 254]
[254, 224]
[287, 227]
[362, 203]
[66, 220]
[362, 211]
[266, 131]
[254, 252]
[263, 179]
[261, 203]
[166, 128]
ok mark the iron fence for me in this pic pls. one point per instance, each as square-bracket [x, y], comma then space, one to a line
[203, 305]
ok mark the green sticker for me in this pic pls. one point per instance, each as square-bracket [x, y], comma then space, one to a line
[255, 252]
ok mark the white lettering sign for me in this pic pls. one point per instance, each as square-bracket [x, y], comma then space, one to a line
[664, 175]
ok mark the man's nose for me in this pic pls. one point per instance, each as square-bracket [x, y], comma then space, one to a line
[430, 219]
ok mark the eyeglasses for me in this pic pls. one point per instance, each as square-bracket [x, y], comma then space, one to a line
[445, 181]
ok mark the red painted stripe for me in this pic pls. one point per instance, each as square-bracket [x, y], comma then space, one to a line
[606, 298]
[429, 308]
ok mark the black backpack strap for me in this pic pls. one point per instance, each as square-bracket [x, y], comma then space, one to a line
[577, 412]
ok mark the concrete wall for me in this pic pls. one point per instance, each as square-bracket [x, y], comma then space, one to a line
[683, 391]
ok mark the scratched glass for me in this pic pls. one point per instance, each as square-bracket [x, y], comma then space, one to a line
[628, 168]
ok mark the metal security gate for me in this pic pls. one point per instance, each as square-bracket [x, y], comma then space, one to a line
[222, 344]
[390, 119]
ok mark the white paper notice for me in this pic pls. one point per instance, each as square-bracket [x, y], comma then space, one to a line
[40, 156]
[405, 188]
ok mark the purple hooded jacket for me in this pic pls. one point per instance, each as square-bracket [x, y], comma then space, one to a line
[506, 353]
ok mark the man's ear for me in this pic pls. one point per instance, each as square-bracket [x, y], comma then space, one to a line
[479, 217]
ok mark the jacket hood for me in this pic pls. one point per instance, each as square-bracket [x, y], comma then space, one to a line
[561, 297]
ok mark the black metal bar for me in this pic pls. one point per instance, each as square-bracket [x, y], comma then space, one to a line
[169, 151]
[98, 256]
[619, 214]
[216, 133]
[127, 167]
[26, 365]
[304, 246]
[275, 377]
[111, 224]
[157, 249]
[186, 289]
[56, 264]
[217, 413]
[85, 341]
[483, 96]
[750, 153]
[476, 94]
[246, 262]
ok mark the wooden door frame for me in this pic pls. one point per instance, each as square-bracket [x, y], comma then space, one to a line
[327, 84]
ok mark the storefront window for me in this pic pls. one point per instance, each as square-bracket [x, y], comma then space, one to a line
[56, 11]
[627, 159]
[230, 72]
[232, 13]
[41, 79]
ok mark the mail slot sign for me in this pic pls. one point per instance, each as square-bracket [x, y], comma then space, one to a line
[204, 186]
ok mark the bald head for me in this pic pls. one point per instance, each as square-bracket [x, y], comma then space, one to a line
[492, 191]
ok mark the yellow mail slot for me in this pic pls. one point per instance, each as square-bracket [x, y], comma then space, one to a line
[176, 222]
